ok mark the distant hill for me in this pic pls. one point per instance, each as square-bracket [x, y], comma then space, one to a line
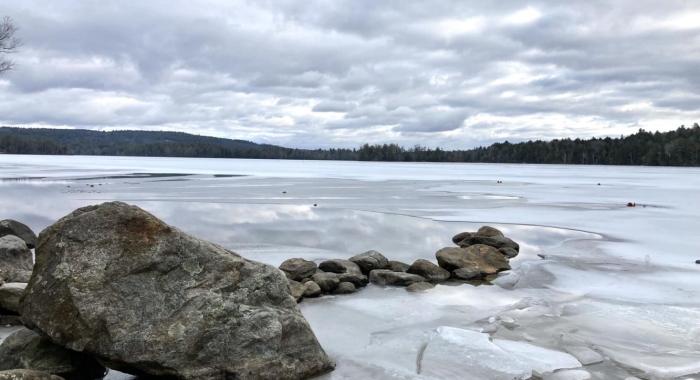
[680, 147]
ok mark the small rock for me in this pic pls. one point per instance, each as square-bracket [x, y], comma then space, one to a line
[508, 252]
[298, 269]
[26, 349]
[339, 266]
[430, 271]
[359, 280]
[397, 266]
[493, 241]
[469, 272]
[15, 259]
[10, 294]
[13, 227]
[417, 287]
[311, 289]
[370, 260]
[461, 236]
[385, 277]
[327, 281]
[508, 322]
[489, 231]
[488, 259]
[296, 289]
[27, 374]
[697, 261]
[345, 288]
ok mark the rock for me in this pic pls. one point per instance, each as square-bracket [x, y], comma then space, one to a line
[311, 289]
[430, 271]
[298, 269]
[15, 259]
[508, 252]
[697, 261]
[488, 259]
[13, 227]
[369, 261]
[296, 289]
[339, 266]
[397, 266]
[385, 277]
[10, 320]
[461, 236]
[489, 231]
[357, 279]
[469, 272]
[419, 287]
[326, 281]
[10, 294]
[115, 282]
[345, 288]
[26, 349]
[493, 241]
[27, 374]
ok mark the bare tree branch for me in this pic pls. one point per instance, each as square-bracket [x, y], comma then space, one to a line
[8, 43]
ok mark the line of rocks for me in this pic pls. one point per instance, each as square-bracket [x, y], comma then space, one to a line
[478, 256]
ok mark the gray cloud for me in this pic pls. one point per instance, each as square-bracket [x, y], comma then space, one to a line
[325, 73]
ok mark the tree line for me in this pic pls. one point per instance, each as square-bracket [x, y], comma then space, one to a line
[680, 147]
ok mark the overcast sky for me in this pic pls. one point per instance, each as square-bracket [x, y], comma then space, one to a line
[340, 73]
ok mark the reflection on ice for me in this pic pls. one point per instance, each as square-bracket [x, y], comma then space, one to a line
[616, 295]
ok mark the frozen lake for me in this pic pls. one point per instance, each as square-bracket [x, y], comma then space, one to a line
[617, 289]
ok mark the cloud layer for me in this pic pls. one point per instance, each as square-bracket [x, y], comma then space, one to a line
[340, 73]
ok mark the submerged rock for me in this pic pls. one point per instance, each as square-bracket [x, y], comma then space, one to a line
[10, 295]
[298, 269]
[430, 271]
[114, 281]
[27, 374]
[369, 261]
[397, 266]
[13, 227]
[15, 259]
[486, 258]
[385, 277]
[26, 349]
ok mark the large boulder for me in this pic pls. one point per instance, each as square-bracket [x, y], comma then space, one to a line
[385, 277]
[429, 271]
[27, 374]
[13, 227]
[369, 261]
[298, 269]
[15, 259]
[26, 349]
[10, 295]
[114, 281]
[488, 259]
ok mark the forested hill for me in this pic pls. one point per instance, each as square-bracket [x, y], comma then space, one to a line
[675, 148]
